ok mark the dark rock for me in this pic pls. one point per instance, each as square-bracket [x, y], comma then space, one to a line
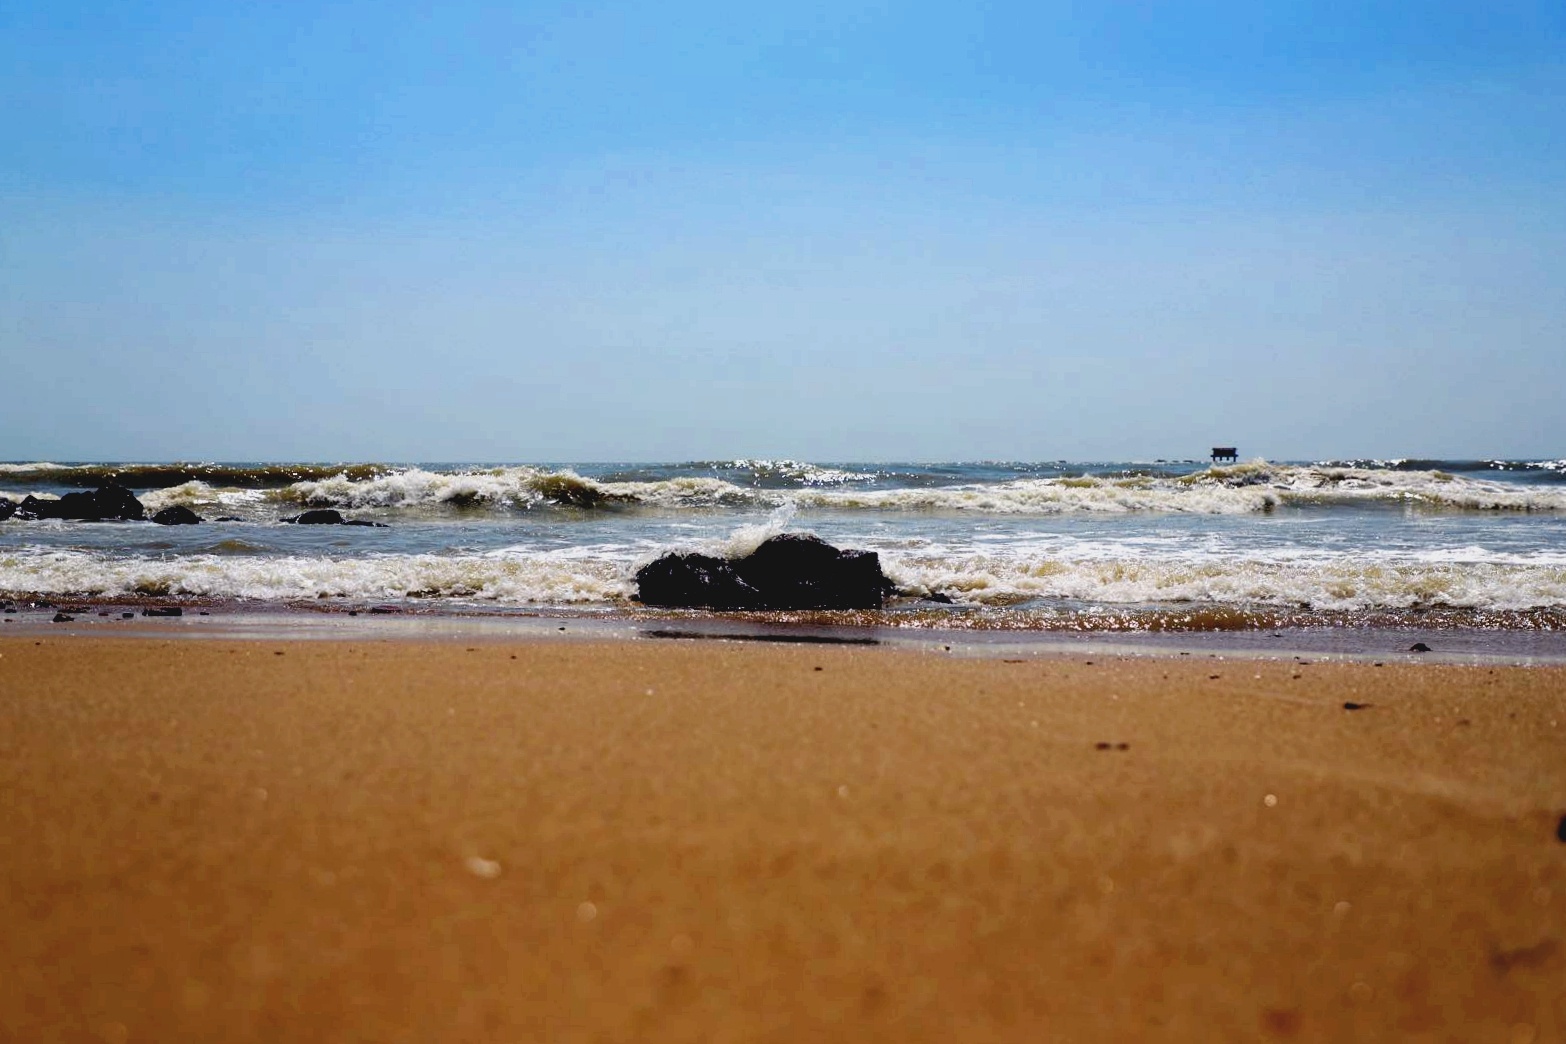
[228, 518]
[938, 598]
[32, 508]
[1351, 705]
[80, 506]
[118, 502]
[62, 618]
[7, 508]
[325, 517]
[127, 616]
[803, 572]
[1419, 647]
[163, 610]
[176, 515]
[1560, 831]
[695, 581]
[785, 572]
[318, 517]
[105, 502]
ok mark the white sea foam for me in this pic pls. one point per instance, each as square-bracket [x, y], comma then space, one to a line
[197, 494]
[42, 465]
[513, 578]
[605, 575]
[1050, 497]
[1346, 582]
[798, 471]
[1339, 485]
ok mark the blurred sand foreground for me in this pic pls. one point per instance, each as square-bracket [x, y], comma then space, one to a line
[708, 841]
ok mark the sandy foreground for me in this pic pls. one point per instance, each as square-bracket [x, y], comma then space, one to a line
[714, 841]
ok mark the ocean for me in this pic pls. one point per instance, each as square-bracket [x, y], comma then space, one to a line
[1130, 547]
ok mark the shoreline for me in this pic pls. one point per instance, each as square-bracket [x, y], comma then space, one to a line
[219, 619]
[666, 840]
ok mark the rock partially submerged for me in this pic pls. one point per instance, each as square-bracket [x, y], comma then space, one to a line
[7, 508]
[106, 503]
[176, 515]
[786, 572]
[317, 517]
[330, 517]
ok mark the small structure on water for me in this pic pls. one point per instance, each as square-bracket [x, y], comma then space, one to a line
[1222, 453]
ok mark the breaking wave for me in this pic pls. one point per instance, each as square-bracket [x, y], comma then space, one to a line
[605, 575]
[1238, 489]
[1243, 488]
[516, 487]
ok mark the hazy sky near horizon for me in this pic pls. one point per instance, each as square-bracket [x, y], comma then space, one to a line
[692, 230]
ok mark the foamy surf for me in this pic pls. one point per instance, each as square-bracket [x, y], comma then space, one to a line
[997, 544]
[1346, 584]
[514, 579]
[581, 576]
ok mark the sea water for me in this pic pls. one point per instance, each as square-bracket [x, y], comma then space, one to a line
[1164, 545]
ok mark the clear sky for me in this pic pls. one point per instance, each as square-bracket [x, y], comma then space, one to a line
[689, 230]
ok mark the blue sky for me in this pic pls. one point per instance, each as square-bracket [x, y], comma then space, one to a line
[829, 231]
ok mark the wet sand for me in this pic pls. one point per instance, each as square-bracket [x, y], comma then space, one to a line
[699, 841]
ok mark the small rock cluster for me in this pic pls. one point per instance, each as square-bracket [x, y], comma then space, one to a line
[115, 503]
[104, 503]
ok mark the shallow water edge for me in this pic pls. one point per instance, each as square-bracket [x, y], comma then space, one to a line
[1365, 643]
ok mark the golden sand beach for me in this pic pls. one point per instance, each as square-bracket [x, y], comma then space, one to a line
[710, 841]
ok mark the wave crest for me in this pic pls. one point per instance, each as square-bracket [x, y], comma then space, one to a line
[518, 487]
[1256, 486]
